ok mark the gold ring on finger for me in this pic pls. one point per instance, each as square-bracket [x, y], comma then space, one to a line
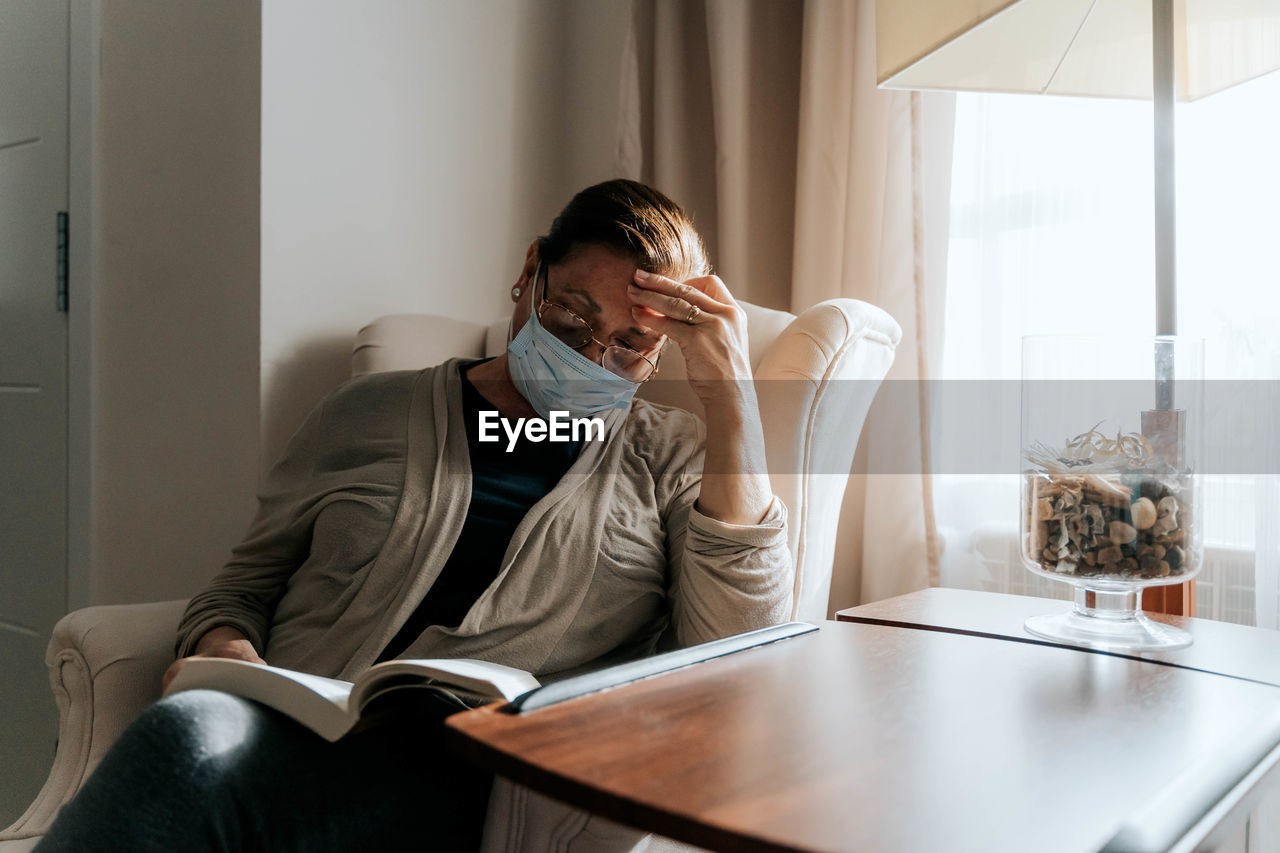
[694, 313]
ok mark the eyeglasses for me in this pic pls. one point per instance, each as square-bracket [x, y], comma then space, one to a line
[575, 332]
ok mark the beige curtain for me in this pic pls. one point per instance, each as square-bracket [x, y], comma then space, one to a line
[763, 118]
[710, 115]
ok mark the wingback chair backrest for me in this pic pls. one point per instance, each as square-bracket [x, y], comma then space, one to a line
[816, 375]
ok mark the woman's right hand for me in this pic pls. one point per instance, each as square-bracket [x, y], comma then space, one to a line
[221, 642]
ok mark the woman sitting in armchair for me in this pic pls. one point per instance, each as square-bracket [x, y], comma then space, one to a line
[388, 528]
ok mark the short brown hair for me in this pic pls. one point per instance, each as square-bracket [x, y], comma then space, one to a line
[632, 219]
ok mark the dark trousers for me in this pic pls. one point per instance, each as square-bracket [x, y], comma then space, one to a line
[206, 771]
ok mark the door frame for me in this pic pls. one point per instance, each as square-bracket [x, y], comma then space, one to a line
[83, 80]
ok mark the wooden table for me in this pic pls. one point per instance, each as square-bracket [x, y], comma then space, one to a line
[887, 737]
[1238, 651]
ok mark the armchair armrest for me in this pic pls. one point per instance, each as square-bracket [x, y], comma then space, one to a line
[105, 665]
[817, 382]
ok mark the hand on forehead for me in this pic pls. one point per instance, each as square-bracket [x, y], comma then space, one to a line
[592, 282]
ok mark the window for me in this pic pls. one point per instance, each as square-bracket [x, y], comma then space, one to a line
[1051, 232]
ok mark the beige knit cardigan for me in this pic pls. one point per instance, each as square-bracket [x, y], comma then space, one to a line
[359, 515]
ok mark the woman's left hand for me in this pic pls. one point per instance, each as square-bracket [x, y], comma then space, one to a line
[710, 328]
[706, 322]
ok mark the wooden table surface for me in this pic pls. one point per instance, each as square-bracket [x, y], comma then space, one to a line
[1239, 651]
[880, 738]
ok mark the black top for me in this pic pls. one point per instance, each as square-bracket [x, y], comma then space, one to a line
[504, 487]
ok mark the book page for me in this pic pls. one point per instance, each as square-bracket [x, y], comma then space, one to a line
[478, 677]
[320, 704]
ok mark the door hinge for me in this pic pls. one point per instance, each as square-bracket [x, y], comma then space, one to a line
[62, 260]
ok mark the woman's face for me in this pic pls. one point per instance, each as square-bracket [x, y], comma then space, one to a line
[591, 281]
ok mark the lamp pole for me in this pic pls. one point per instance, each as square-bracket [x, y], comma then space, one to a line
[1165, 197]
[1165, 426]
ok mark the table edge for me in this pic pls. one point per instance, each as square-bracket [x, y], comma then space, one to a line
[848, 615]
[610, 805]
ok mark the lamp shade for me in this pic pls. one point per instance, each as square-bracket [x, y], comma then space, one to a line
[1071, 47]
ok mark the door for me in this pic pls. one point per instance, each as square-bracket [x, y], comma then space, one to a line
[34, 39]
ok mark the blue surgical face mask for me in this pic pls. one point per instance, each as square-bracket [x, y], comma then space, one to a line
[553, 376]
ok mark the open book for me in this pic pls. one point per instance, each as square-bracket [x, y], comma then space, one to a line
[330, 707]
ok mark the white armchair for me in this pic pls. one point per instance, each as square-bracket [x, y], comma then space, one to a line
[105, 663]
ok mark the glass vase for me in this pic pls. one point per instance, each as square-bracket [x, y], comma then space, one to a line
[1110, 444]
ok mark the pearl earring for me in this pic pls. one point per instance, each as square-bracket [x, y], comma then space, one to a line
[515, 292]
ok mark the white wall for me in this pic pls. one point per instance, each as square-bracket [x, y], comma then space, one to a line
[594, 32]
[410, 153]
[407, 152]
[171, 380]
